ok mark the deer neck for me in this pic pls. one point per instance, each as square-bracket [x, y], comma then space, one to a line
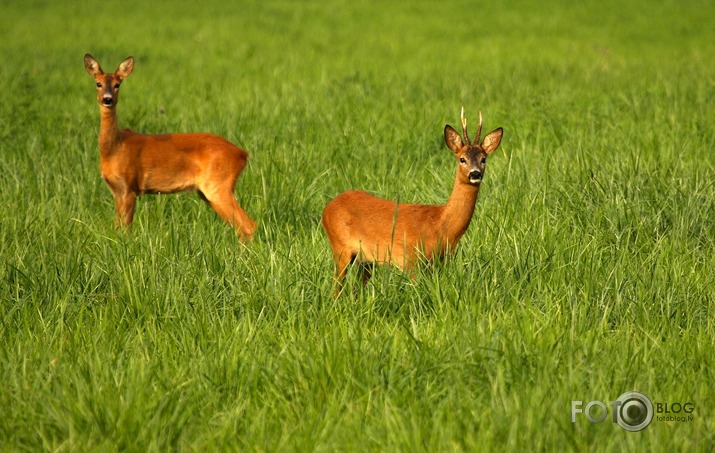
[108, 130]
[457, 212]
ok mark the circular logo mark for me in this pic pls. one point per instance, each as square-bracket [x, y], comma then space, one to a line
[635, 411]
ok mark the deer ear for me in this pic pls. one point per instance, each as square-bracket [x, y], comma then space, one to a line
[492, 140]
[125, 68]
[452, 139]
[92, 66]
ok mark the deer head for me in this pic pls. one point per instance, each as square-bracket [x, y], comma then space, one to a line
[472, 157]
[108, 84]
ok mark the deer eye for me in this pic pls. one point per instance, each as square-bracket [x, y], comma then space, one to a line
[484, 160]
[99, 85]
[462, 160]
[116, 86]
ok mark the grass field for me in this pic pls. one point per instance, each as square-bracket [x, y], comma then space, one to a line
[587, 272]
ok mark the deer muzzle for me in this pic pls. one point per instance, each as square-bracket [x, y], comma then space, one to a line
[475, 176]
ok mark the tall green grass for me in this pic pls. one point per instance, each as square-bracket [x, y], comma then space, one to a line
[587, 271]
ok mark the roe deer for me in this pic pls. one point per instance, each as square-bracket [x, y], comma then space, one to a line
[365, 229]
[134, 164]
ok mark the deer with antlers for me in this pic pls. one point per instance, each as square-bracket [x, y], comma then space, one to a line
[368, 230]
[133, 164]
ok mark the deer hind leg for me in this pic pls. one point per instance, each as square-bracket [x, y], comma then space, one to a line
[342, 260]
[229, 210]
[217, 189]
[366, 271]
[226, 206]
[125, 204]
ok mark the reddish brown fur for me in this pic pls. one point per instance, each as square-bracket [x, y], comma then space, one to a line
[367, 229]
[134, 164]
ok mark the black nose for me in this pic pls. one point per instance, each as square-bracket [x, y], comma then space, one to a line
[107, 101]
[475, 175]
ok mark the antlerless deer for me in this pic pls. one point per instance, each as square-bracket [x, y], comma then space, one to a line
[134, 164]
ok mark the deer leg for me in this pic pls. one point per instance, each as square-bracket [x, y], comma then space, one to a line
[342, 260]
[242, 220]
[228, 209]
[366, 272]
[217, 191]
[125, 205]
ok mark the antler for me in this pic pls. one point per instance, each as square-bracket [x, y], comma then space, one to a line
[479, 131]
[464, 127]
